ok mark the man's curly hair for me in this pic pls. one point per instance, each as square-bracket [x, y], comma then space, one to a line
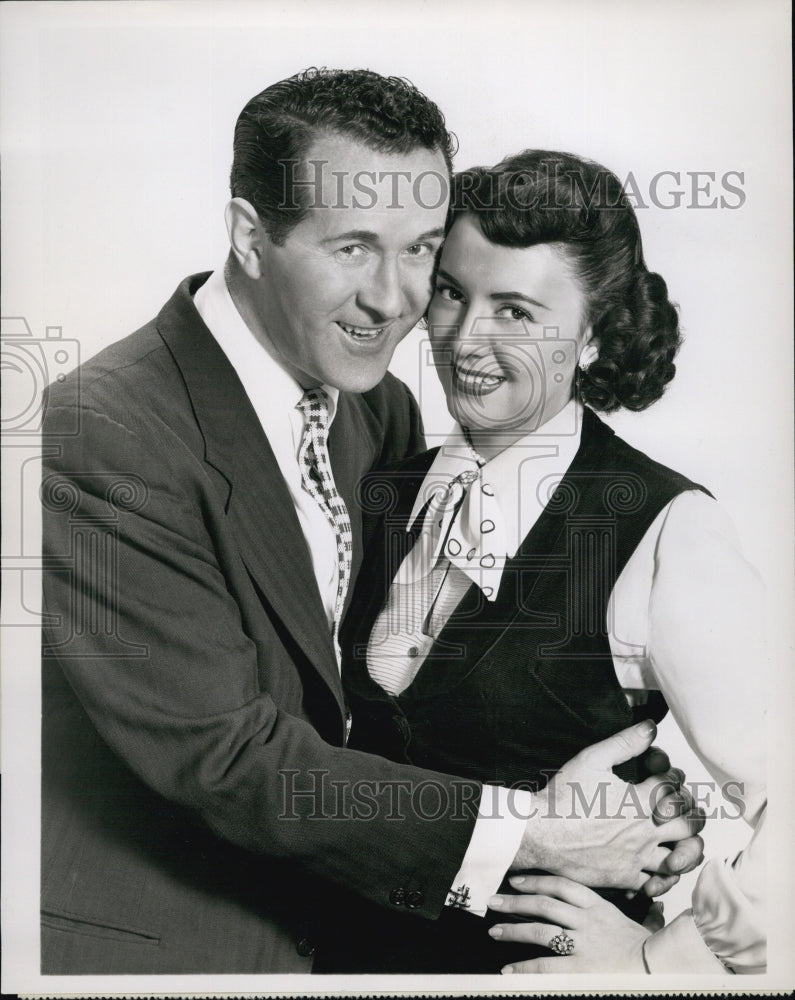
[276, 128]
[539, 196]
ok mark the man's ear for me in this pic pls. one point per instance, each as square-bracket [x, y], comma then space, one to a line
[246, 235]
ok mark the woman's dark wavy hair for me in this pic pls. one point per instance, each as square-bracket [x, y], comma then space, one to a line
[276, 128]
[560, 199]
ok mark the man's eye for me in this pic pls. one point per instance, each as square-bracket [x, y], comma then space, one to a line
[354, 250]
[420, 250]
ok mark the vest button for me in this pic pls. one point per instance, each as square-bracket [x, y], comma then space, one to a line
[305, 948]
[413, 651]
[398, 896]
[415, 899]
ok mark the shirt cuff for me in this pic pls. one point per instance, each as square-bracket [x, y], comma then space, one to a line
[499, 828]
[679, 947]
[728, 911]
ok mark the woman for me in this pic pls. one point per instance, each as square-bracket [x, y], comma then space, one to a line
[537, 584]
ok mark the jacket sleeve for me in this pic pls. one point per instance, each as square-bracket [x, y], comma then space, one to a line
[189, 695]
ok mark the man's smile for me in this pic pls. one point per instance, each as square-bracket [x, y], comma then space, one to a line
[362, 332]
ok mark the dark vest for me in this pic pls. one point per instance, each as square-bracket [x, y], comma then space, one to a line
[512, 689]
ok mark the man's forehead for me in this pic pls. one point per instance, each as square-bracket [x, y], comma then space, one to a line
[343, 174]
[341, 152]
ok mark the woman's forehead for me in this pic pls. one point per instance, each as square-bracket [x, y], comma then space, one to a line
[472, 259]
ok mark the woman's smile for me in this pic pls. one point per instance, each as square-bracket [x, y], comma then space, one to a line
[474, 379]
[506, 359]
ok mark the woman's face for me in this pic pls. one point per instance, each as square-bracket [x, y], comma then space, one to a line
[507, 328]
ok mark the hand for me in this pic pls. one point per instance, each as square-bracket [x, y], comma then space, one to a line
[688, 853]
[592, 827]
[604, 939]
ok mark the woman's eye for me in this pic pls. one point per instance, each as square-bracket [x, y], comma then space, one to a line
[515, 313]
[449, 293]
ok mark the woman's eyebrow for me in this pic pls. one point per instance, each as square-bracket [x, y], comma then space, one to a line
[495, 296]
[441, 273]
[498, 296]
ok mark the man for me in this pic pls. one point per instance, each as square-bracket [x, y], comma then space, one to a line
[201, 530]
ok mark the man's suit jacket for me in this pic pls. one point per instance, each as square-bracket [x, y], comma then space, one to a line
[189, 679]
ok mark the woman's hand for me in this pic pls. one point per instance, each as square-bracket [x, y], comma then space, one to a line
[604, 939]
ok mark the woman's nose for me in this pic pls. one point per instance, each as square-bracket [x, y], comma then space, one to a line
[474, 328]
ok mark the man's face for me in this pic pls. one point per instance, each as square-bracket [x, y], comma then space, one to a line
[354, 276]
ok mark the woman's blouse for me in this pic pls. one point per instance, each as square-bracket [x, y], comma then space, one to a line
[685, 618]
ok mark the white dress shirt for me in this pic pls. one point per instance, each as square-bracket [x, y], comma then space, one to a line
[275, 395]
[679, 618]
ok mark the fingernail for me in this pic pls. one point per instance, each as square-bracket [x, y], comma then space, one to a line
[496, 902]
[654, 887]
[675, 861]
[496, 932]
[507, 970]
[648, 727]
[516, 879]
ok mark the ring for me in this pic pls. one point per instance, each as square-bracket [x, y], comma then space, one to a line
[561, 944]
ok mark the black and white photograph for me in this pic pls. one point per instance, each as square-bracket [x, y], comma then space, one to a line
[397, 497]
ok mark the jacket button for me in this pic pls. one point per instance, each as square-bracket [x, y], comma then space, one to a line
[305, 948]
[415, 899]
[397, 897]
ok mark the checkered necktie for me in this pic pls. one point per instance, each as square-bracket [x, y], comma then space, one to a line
[318, 480]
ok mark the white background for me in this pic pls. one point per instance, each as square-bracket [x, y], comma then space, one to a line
[117, 123]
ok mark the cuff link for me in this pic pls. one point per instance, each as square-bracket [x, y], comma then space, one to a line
[459, 897]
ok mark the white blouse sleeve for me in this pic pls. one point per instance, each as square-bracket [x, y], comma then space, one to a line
[688, 619]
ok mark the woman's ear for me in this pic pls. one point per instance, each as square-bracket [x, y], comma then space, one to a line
[245, 236]
[589, 352]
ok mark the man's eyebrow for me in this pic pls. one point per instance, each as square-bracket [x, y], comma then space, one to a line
[370, 237]
[431, 234]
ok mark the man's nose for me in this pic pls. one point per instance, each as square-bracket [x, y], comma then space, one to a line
[383, 293]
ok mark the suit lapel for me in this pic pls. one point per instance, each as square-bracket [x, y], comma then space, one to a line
[351, 454]
[389, 546]
[259, 505]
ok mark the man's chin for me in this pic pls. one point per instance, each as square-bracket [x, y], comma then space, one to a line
[362, 380]
[355, 373]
